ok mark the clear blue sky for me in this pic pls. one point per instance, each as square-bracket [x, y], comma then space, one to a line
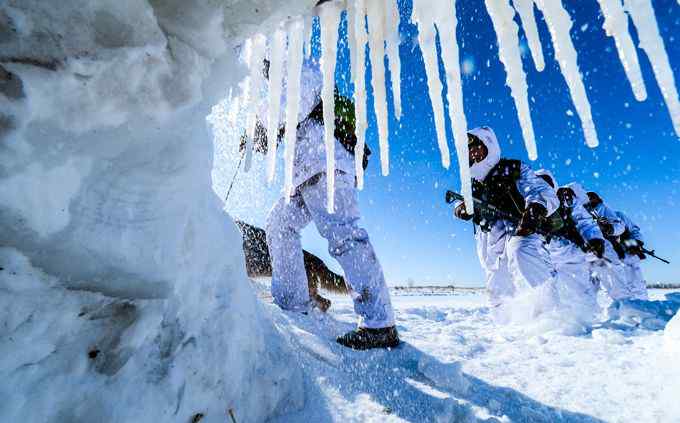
[636, 168]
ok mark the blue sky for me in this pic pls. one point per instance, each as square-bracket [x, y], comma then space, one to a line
[636, 168]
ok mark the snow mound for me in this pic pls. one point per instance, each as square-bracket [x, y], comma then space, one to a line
[105, 186]
[77, 356]
[672, 336]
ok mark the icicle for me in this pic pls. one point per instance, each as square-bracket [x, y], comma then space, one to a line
[277, 51]
[376, 43]
[616, 25]
[295, 53]
[442, 13]
[525, 8]
[329, 15]
[642, 13]
[424, 18]
[356, 15]
[559, 24]
[252, 95]
[502, 17]
[393, 40]
[309, 25]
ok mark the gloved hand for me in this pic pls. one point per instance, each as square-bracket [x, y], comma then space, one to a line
[636, 249]
[461, 213]
[534, 215]
[606, 227]
[596, 246]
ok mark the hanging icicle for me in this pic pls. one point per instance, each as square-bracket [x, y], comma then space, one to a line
[277, 49]
[616, 25]
[376, 43]
[525, 8]
[392, 41]
[356, 21]
[307, 37]
[502, 17]
[440, 15]
[294, 62]
[642, 13]
[252, 96]
[559, 24]
[329, 16]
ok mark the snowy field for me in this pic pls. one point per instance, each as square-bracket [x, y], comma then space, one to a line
[457, 365]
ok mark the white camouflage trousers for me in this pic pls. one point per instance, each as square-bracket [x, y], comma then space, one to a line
[514, 264]
[347, 243]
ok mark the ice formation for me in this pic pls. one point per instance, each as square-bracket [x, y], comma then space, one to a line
[616, 25]
[525, 9]
[559, 24]
[255, 51]
[277, 51]
[376, 43]
[642, 14]
[356, 18]
[502, 17]
[433, 17]
[292, 100]
[376, 24]
[329, 18]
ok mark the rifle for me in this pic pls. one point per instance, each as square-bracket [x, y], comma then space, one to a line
[491, 212]
[651, 253]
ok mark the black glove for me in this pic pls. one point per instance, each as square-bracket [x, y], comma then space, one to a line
[606, 227]
[534, 215]
[635, 248]
[596, 246]
[461, 213]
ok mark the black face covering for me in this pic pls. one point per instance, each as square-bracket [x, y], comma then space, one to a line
[594, 199]
[474, 142]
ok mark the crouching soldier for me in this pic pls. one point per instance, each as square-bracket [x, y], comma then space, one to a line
[348, 243]
[631, 241]
[513, 255]
[572, 248]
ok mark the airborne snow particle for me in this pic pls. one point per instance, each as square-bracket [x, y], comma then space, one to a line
[596, 174]
[468, 66]
[569, 112]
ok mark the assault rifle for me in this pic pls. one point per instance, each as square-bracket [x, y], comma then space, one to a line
[486, 211]
[602, 220]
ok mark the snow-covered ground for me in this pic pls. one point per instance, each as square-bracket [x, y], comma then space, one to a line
[616, 373]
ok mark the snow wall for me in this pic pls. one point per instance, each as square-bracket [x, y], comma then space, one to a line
[123, 292]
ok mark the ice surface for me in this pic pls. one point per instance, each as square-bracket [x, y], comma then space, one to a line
[642, 13]
[559, 23]
[502, 17]
[358, 38]
[525, 8]
[295, 54]
[616, 25]
[376, 43]
[277, 50]
[329, 18]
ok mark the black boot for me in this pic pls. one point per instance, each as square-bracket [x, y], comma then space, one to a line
[365, 338]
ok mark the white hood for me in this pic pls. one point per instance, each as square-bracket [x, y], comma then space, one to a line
[580, 192]
[479, 170]
[546, 172]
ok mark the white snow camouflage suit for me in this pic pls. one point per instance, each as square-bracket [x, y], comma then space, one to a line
[347, 242]
[610, 274]
[512, 263]
[631, 262]
[575, 286]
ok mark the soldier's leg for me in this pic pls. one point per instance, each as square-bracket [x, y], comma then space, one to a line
[289, 278]
[350, 246]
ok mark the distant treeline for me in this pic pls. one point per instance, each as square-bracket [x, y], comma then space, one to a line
[664, 286]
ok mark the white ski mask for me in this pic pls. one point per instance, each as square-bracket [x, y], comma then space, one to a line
[479, 170]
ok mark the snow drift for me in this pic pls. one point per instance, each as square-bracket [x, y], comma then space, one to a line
[124, 293]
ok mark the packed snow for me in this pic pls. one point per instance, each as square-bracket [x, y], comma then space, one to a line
[458, 365]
